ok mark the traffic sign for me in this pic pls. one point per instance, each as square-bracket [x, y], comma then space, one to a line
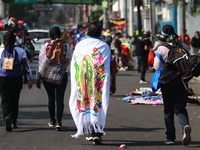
[25, 1]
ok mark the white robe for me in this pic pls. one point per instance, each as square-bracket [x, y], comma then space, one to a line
[90, 85]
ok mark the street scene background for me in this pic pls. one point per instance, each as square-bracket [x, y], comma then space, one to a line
[137, 126]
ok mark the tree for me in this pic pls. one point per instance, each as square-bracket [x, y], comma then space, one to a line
[194, 10]
[194, 6]
[96, 13]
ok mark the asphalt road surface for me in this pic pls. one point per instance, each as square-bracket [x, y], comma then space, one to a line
[139, 127]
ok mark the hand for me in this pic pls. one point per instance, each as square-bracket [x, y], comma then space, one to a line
[30, 84]
[38, 84]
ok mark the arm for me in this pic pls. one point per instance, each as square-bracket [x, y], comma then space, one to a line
[28, 72]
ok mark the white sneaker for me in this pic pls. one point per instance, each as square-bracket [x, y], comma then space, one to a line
[143, 82]
[186, 135]
[89, 138]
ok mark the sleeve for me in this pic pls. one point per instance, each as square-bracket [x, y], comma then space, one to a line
[68, 54]
[42, 55]
[27, 68]
[158, 63]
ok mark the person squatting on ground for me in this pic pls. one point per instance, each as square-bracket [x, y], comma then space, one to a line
[174, 92]
[55, 92]
[12, 59]
[92, 82]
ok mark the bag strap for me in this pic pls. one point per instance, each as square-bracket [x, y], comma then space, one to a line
[160, 57]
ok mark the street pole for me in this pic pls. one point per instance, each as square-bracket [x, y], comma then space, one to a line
[139, 17]
[131, 23]
[105, 20]
[126, 18]
[153, 14]
[183, 29]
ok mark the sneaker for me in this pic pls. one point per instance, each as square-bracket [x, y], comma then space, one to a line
[186, 135]
[14, 125]
[8, 124]
[169, 142]
[97, 140]
[51, 124]
[143, 82]
[58, 127]
[89, 138]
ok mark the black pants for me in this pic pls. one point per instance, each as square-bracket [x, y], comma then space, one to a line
[144, 64]
[10, 90]
[175, 100]
[56, 95]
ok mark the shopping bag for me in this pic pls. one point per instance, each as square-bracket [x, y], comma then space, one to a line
[52, 72]
[155, 84]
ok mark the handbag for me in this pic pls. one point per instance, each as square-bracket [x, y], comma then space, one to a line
[155, 84]
[52, 72]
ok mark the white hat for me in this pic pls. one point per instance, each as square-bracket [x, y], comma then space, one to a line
[107, 33]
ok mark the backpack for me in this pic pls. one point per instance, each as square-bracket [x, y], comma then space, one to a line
[55, 64]
[180, 62]
[10, 67]
[56, 51]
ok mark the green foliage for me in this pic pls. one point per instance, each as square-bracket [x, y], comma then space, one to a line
[94, 15]
[22, 12]
[193, 5]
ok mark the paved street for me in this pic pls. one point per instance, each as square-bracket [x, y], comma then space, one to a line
[137, 126]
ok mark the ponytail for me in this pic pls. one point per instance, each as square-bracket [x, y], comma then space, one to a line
[9, 40]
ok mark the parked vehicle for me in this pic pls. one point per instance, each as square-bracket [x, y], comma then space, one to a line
[39, 36]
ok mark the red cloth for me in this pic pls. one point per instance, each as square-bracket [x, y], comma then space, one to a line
[151, 58]
[187, 39]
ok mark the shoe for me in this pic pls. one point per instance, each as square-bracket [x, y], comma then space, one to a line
[8, 124]
[143, 82]
[14, 125]
[186, 135]
[58, 127]
[89, 138]
[169, 142]
[97, 140]
[51, 124]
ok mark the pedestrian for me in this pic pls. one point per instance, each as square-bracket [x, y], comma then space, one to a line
[137, 44]
[92, 82]
[142, 49]
[55, 91]
[107, 37]
[116, 45]
[195, 42]
[12, 59]
[173, 91]
[187, 38]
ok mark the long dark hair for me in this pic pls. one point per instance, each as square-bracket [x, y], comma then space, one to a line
[9, 40]
[54, 32]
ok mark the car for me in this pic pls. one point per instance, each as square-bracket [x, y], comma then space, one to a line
[40, 36]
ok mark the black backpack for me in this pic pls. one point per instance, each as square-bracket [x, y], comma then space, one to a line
[180, 62]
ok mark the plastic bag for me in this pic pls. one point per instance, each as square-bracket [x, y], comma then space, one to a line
[155, 84]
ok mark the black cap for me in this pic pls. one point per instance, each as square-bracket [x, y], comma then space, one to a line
[168, 30]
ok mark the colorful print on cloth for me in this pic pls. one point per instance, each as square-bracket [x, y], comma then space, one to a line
[90, 77]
